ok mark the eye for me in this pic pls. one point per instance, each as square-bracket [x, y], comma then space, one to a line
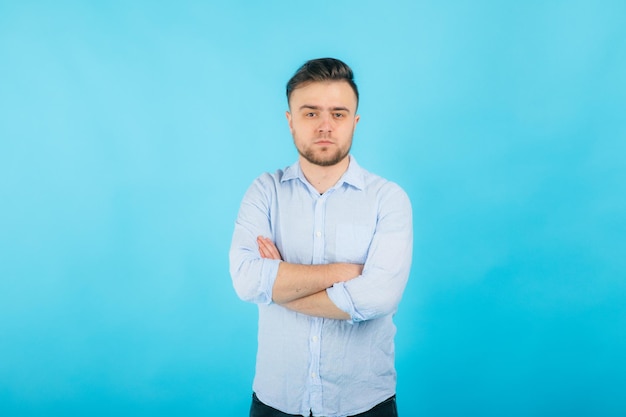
[339, 115]
[310, 114]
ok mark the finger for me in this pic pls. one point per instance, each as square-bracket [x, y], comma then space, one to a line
[270, 246]
[267, 248]
[263, 250]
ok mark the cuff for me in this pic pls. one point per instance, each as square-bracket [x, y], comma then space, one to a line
[339, 295]
[269, 271]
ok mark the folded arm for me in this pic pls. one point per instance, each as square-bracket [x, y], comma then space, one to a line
[260, 276]
[378, 290]
[302, 288]
[339, 290]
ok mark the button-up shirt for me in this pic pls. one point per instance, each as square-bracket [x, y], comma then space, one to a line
[310, 364]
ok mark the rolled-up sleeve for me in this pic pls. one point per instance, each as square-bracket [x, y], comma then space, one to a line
[253, 277]
[377, 292]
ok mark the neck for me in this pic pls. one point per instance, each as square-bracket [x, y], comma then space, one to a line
[323, 177]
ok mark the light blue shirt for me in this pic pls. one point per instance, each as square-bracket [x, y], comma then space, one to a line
[304, 363]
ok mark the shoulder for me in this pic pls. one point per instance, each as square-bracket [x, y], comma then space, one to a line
[371, 182]
[382, 187]
[271, 179]
[270, 182]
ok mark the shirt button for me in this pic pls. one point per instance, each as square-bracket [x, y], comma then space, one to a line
[318, 233]
[314, 338]
[313, 375]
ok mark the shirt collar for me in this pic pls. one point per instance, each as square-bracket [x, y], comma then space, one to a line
[353, 176]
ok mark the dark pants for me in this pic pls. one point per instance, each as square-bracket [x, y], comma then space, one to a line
[385, 409]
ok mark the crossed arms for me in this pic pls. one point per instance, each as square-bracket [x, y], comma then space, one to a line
[302, 288]
[340, 290]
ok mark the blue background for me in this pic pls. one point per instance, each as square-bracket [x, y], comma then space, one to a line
[129, 132]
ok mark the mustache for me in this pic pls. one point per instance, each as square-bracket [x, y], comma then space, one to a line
[324, 135]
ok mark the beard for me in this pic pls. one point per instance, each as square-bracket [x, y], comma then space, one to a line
[324, 156]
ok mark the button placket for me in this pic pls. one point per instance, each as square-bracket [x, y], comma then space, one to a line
[316, 326]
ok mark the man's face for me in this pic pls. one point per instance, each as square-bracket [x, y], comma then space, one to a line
[322, 119]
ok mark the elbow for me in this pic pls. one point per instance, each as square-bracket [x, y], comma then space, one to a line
[388, 305]
[247, 277]
[376, 302]
[380, 308]
[247, 285]
[244, 288]
[383, 295]
[245, 282]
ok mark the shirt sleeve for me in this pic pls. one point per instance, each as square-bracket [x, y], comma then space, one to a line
[253, 277]
[377, 292]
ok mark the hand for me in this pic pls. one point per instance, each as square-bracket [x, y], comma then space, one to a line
[345, 272]
[268, 249]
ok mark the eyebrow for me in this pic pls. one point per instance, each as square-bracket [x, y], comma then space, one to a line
[312, 107]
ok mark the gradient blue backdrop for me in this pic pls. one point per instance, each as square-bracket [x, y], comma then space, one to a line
[129, 132]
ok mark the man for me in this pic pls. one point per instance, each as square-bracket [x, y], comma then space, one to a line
[324, 248]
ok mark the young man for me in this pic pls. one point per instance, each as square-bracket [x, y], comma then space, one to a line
[324, 248]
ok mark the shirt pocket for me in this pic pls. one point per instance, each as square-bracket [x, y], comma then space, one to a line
[352, 242]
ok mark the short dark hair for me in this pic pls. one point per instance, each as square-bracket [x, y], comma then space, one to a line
[322, 69]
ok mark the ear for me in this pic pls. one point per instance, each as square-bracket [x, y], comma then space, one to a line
[356, 119]
[288, 116]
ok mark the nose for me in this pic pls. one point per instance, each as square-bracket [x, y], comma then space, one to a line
[325, 124]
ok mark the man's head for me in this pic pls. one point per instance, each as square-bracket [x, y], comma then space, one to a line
[323, 100]
[320, 70]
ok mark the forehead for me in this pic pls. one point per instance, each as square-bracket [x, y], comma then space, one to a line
[324, 94]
